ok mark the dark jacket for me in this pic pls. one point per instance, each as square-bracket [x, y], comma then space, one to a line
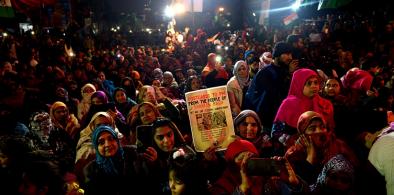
[266, 92]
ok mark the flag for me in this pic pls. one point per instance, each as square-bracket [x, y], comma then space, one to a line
[327, 4]
[193, 5]
[290, 18]
[6, 10]
[264, 14]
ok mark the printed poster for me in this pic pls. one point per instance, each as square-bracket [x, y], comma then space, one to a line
[210, 118]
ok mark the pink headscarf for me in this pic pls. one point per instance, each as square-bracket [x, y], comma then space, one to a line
[357, 79]
[297, 103]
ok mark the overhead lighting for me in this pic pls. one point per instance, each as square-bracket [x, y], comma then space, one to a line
[179, 8]
[169, 12]
[296, 5]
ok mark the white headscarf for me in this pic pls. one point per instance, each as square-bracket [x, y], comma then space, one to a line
[243, 82]
[84, 105]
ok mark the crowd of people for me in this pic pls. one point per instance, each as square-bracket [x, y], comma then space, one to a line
[312, 102]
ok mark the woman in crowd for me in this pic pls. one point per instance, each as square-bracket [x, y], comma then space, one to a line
[163, 137]
[193, 83]
[40, 129]
[85, 150]
[63, 120]
[332, 91]
[83, 107]
[315, 146]
[157, 98]
[303, 96]
[100, 103]
[122, 102]
[237, 86]
[113, 165]
[146, 113]
[237, 180]
[337, 177]
[248, 126]
[62, 139]
[127, 83]
[170, 84]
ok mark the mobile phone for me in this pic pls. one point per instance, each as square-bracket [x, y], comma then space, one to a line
[264, 167]
[218, 58]
[144, 137]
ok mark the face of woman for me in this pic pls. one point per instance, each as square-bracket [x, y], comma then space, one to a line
[120, 96]
[177, 186]
[97, 101]
[101, 76]
[248, 128]
[61, 114]
[195, 84]
[107, 145]
[242, 72]
[149, 95]
[311, 87]
[164, 138]
[332, 87]
[101, 120]
[317, 131]
[147, 115]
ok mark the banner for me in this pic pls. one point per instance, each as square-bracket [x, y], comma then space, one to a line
[210, 118]
[289, 19]
[193, 5]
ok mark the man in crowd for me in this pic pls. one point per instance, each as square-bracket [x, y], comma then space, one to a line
[213, 73]
[270, 85]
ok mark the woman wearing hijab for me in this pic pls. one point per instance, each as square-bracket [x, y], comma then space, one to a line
[237, 86]
[40, 128]
[337, 177]
[122, 102]
[315, 146]
[146, 113]
[303, 96]
[62, 138]
[84, 105]
[63, 120]
[112, 172]
[128, 84]
[85, 150]
[237, 180]
[248, 126]
[100, 103]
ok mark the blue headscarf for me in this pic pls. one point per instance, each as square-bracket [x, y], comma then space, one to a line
[109, 165]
